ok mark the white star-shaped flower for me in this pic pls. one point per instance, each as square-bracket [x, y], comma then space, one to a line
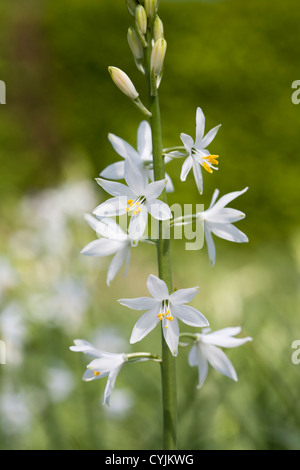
[198, 155]
[113, 241]
[164, 308]
[105, 364]
[206, 351]
[142, 158]
[218, 219]
[137, 198]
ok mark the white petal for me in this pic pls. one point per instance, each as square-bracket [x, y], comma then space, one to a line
[89, 375]
[114, 188]
[214, 198]
[106, 363]
[122, 147]
[154, 190]
[171, 335]
[116, 264]
[225, 215]
[110, 385]
[109, 228]
[210, 245]
[200, 125]
[87, 348]
[210, 136]
[134, 178]
[187, 141]
[111, 207]
[102, 247]
[229, 232]
[159, 210]
[198, 176]
[196, 358]
[224, 200]
[189, 315]
[219, 361]
[144, 140]
[169, 185]
[183, 296]
[92, 221]
[115, 171]
[223, 339]
[186, 167]
[157, 288]
[145, 324]
[140, 303]
[138, 224]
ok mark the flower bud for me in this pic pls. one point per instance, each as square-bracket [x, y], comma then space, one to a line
[158, 29]
[158, 56]
[123, 82]
[131, 5]
[134, 44]
[141, 19]
[151, 7]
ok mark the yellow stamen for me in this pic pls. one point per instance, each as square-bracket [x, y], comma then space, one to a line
[127, 209]
[169, 318]
[130, 201]
[134, 212]
[160, 316]
[207, 167]
[96, 373]
[139, 209]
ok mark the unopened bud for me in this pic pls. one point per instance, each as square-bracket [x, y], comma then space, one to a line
[135, 44]
[123, 82]
[158, 56]
[158, 29]
[131, 5]
[151, 7]
[141, 19]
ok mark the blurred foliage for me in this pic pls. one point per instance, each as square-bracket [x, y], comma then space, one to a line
[235, 59]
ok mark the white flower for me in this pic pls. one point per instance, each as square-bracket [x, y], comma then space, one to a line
[165, 309]
[114, 241]
[105, 365]
[198, 153]
[205, 351]
[218, 219]
[138, 198]
[142, 157]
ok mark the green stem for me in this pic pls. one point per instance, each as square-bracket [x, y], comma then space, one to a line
[168, 369]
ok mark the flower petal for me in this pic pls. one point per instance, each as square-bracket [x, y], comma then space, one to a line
[153, 190]
[110, 385]
[157, 288]
[186, 167]
[111, 207]
[144, 141]
[145, 324]
[224, 200]
[87, 348]
[200, 125]
[171, 335]
[196, 358]
[116, 264]
[198, 175]
[114, 188]
[187, 141]
[159, 210]
[102, 247]
[210, 136]
[210, 245]
[122, 147]
[140, 303]
[189, 315]
[224, 339]
[115, 171]
[229, 232]
[219, 361]
[134, 178]
[183, 296]
[138, 224]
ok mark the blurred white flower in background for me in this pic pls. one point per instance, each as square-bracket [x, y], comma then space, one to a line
[13, 331]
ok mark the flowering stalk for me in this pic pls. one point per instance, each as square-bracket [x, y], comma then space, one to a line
[168, 368]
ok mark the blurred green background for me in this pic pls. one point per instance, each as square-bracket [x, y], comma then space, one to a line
[235, 59]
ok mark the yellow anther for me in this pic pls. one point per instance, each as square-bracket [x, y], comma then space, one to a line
[127, 209]
[169, 318]
[166, 326]
[130, 201]
[161, 316]
[139, 209]
[134, 212]
[96, 373]
[207, 167]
